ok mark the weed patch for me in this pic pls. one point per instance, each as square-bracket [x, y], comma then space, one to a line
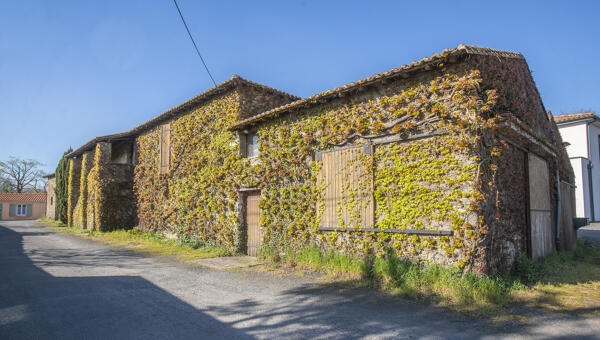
[564, 281]
[54, 223]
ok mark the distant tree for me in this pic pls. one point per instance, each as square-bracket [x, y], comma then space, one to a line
[5, 185]
[61, 190]
[21, 175]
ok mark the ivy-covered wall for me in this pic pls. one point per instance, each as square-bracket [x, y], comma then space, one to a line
[198, 197]
[73, 189]
[101, 192]
[80, 210]
[448, 182]
[421, 184]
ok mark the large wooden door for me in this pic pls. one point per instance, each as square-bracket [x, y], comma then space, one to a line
[252, 219]
[540, 209]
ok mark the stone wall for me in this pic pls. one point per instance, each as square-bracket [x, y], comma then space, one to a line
[73, 191]
[101, 191]
[254, 100]
[111, 203]
[51, 198]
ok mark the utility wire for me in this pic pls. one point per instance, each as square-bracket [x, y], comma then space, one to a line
[193, 42]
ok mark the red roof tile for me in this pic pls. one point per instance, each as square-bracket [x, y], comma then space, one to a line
[573, 116]
[23, 197]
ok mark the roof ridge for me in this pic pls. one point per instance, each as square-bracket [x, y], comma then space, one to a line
[266, 87]
[235, 79]
[425, 62]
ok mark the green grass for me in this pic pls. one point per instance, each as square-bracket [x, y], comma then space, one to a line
[564, 281]
[54, 223]
[183, 250]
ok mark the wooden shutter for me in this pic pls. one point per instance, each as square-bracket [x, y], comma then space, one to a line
[540, 208]
[344, 172]
[165, 148]
[29, 206]
[11, 210]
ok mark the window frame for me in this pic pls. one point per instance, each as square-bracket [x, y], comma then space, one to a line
[21, 210]
[250, 145]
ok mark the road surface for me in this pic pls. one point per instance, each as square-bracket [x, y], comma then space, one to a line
[56, 286]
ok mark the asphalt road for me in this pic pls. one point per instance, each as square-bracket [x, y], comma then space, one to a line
[55, 286]
[591, 232]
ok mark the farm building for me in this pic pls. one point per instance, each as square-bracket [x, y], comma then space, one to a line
[154, 173]
[451, 159]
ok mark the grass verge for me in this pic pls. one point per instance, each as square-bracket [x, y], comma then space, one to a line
[52, 222]
[152, 243]
[564, 281]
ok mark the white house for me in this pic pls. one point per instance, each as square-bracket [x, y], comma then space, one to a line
[581, 135]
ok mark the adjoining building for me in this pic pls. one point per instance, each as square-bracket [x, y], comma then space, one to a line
[451, 159]
[137, 177]
[581, 135]
[50, 196]
[22, 206]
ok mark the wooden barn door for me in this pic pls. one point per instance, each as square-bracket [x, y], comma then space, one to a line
[540, 209]
[252, 218]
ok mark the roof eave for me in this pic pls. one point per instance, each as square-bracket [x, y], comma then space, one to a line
[577, 120]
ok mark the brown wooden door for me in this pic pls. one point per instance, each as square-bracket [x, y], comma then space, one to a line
[540, 208]
[252, 219]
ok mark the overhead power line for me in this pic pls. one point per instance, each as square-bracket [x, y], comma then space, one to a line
[193, 42]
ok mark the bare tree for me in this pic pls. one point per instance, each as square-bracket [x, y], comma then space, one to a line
[20, 175]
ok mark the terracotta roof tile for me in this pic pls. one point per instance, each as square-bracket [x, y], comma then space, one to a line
[23, 197]
[573, 116]
[425, 63]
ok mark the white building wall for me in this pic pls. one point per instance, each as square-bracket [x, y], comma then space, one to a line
[579, 165]
[594, 156]
[575, 136]
[584, 149]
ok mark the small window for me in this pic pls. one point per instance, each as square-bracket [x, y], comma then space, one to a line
[21, 210]
[51, 200]
[252, 145]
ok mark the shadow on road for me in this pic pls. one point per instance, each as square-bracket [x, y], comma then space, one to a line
[35, 304]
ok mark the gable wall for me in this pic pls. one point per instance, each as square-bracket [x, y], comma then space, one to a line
[197, 198]
[504, 178]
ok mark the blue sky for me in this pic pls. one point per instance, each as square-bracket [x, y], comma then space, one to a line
[72, 70]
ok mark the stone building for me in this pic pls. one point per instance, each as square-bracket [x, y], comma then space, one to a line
[50, 196]
[136, 177]
[451, 159]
